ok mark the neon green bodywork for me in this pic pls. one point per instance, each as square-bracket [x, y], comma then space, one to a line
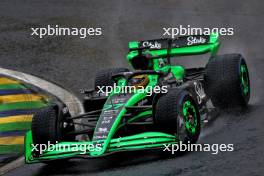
[144, 140]
[159, 54]
[62, 150]
[109, 145]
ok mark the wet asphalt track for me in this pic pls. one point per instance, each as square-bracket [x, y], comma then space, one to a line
[71, 62]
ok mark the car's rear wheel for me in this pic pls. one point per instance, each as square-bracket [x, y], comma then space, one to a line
[227, 81]
[177, 113]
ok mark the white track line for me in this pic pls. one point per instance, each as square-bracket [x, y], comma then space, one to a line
[72, 102]
[12, 165]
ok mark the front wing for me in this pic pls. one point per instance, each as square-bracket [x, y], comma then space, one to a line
[146, 140]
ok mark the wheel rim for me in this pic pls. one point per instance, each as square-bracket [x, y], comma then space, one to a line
[190, 116]
[244, 79]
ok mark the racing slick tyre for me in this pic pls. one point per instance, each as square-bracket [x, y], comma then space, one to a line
[177, 113]
[227, 81]
[103, 77]
[47, 127]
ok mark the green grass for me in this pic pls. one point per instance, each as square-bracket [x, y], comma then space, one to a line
[22, 105]
[16, 126]
[12, 86]
[11, 149]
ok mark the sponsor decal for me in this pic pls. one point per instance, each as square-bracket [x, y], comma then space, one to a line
[192, 40]
[152, 45]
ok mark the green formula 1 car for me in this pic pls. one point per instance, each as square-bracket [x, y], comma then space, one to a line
[155, 105]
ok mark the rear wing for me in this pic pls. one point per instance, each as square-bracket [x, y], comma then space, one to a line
[185, 45]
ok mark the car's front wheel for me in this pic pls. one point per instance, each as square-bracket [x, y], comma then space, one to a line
[47, 126]
[177, 113]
